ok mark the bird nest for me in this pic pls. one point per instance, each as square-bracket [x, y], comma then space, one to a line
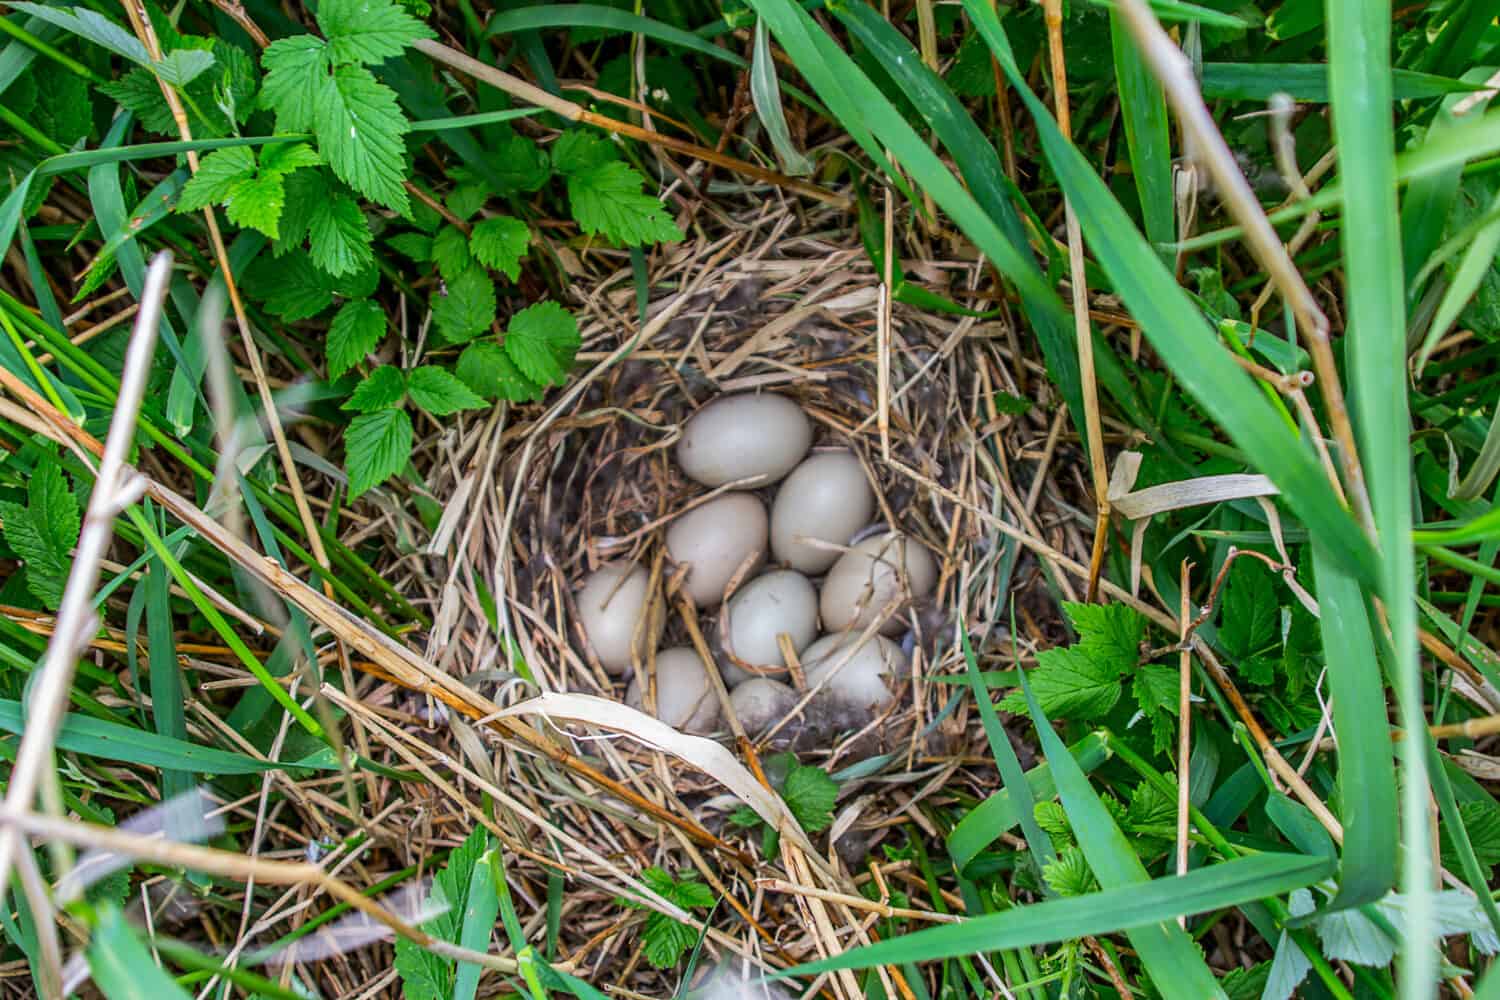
[535, 499]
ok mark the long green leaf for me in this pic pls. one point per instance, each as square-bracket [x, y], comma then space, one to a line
[878, 127]
[1148, 136]
[123, 967]
[1171, 958]
[477, 926]
[124, 744]
[587, 15]
[1359, 81]
[1016, 785]
[1473, 267]
[984, 824]
[1367, 774]
[1180, 333]
[1309, 82]
[1129, 907]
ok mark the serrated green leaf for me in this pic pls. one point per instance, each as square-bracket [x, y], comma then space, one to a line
[304, 191]
[500, 243]
[376, 446]
[810, 794]
[487, 370]
[382, 389]
[282, 158]
[439, 392]
[465, 307]
[296, 81]
[1069, 874]
[1156, 690]
[339, 235]
[466, 199]
[44, 531]
[450, 251]
[219, 175]
[543, 340]
[182, 66]
[1251, 610]
[607, 199]
[424, 976]
[356, 330]
[577, 150]
[359, 127]
[292, 288]
[1071, 683]
[665, 940]
[122, 966]
[417, 246]
[368, 31]
[257, 204]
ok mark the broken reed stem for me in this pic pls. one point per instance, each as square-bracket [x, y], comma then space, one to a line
[1078, 282]
[116, 486]
[857, 902]
[1172, 69]
[1184, 724]
[534, 95]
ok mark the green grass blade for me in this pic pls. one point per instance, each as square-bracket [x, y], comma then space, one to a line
[1429, 200]
[1359, 43]
[1148, 136]
[477, 925]
[123, 967]
[1367, 773]
[1129, 907]
[125, 744]
[765, 93]
[1171, 958]
[1181, 335]
[1308, 82]
[1017, 788]
[1473, 267]
[984, 824]
[587, 15]
[167, 697]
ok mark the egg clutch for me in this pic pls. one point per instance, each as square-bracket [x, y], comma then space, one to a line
[800, 603]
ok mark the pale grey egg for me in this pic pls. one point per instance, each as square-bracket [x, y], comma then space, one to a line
[782, 601]
[868, 678]
[715, 540]
[759, 703]
[826, 499]
[612, 604]
[685, 697]
[759, 435]
[873, 574]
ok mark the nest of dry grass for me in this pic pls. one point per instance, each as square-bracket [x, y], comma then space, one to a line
[534, 500]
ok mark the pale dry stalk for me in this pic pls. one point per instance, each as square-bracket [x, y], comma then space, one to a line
[116, 486]
[1078, 282]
